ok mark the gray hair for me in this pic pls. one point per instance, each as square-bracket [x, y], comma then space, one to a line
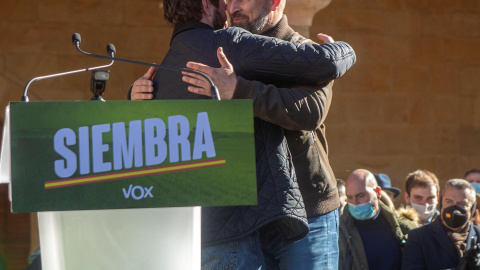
[461, 184]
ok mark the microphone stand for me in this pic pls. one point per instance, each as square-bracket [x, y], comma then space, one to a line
[25, 97]
[76, 41]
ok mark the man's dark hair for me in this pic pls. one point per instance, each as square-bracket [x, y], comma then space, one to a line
[180, 11]
[471, 171]
[421, 178]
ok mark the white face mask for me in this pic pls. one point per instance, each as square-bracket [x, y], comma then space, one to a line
[426, 211]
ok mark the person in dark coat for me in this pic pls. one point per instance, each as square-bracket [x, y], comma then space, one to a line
[226, 230]
[442, 243]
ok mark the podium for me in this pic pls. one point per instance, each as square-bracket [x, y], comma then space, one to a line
[137, 215]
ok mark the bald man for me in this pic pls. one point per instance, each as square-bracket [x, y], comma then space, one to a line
[372, 235]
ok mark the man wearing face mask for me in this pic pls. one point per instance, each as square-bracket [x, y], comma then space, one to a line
[422, 193]
[371, 234]
[442, 243]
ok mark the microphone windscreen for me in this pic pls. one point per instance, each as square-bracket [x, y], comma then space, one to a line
[76, 38]
[111, 49]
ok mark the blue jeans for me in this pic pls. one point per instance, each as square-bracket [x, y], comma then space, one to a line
[243, 254]
[319, 250]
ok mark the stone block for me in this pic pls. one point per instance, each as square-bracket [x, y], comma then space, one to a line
[446, 168]
[360, 20]
[22, 37]
[2, 63]
[377, 48]
[467, 111]
[140, 42]
[476, 113]
[23, 67]
[348, 140]
[57, 39]
[402, 23]
[337, 114]
[366, 78]
[301, 12]
[468, 5]
[435, 24]
[374, 163]
[411, 78]
[426, 50]
[339, 4]
[105, 12]
[338, 140]
[395, 110]
[469, 80]
[445, 79]
[143, 13]
[465, 24]
[431, 6]
[393, 141]
[324, 22]
[462, 50]
[9, 91]
[438, 140]
[446, 110]
[404, 165]
[18, 10]
[343, 166]
[421, 110]
[376, 4]
[363, 109]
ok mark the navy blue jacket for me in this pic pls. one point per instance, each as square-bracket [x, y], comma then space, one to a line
[269, 60]
[429, 247]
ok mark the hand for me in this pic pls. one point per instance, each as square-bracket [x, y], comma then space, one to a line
[143, 87]
[325, 38]
[224, 78]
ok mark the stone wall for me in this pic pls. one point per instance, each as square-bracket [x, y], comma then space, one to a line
[35, 40]
[410, 102]
[413, 98]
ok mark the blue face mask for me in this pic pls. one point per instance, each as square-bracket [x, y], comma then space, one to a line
[361, 211]
[476, 186]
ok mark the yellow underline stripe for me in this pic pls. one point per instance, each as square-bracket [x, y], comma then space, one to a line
[157, 170]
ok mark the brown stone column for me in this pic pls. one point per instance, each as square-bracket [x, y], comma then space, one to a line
[300, 13]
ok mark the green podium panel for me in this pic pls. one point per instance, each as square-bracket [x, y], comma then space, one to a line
[84, 155]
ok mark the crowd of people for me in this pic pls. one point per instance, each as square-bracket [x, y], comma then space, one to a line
[434, 229]
[298, 223]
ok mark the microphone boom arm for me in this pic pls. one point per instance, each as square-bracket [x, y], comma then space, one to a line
[25, 97]
[213, 88]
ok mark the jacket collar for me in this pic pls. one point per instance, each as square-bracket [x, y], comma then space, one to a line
[185, 26]
[281, 30]
[440, 235]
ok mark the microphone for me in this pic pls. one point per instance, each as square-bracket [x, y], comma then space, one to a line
[76, 39]
[110, 50]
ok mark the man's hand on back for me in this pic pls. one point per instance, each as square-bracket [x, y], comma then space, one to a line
[325, 38]
[224, 77]
[143, 87]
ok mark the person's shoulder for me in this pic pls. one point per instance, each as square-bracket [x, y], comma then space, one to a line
[233, 30]
[426, 229]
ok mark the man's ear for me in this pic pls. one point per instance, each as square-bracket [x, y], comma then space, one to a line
[205, 5]
[406, 198]
[275, 4]
[378, 189]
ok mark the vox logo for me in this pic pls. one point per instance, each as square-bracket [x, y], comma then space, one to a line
[137, 192]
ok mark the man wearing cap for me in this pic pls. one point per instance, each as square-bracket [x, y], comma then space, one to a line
[421, 193]
[443, 243]
[384, 182]
[372, 235]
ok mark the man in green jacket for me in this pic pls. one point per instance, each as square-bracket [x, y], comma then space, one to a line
[372, 235]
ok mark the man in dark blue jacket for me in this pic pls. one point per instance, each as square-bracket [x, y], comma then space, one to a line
[301, 111]
[442, 243]
[229, 234]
